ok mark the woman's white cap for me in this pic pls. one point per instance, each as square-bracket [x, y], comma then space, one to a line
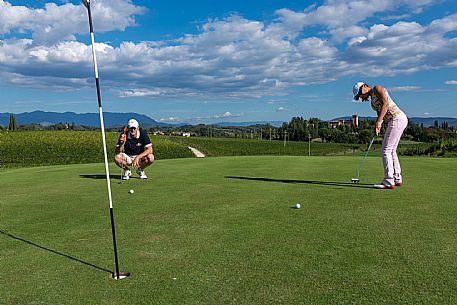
[356, 89]
[133, 123]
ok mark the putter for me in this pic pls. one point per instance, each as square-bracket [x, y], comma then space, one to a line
[356, 180]
[122, 155]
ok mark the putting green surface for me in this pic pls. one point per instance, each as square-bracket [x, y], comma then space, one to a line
[224, 231]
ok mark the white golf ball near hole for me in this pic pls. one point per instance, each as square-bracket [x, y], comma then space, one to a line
[131, 191]
[297, 206]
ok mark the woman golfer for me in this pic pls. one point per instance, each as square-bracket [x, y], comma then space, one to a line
[396, 121]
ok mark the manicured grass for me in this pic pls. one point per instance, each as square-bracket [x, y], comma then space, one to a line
[223, 231]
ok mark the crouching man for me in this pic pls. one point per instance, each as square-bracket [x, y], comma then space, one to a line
[134, 149]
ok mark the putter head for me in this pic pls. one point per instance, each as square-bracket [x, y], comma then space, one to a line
[355, 180]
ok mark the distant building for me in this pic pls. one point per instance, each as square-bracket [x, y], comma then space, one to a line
[354, 121]
[183, 133]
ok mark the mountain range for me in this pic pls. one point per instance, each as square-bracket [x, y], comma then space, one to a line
[111, 119]
[114, 119]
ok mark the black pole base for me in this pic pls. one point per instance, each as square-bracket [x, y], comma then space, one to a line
[120, 275]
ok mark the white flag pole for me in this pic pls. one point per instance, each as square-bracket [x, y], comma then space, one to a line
[118, 275]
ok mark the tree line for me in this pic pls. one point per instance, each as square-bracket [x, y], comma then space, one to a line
[313, 129]
[297, 129]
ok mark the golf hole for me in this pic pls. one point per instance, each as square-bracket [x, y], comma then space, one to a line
[122, 275]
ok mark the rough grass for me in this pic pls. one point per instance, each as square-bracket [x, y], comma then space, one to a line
[223, 231]
[217, 147]
[37, 148]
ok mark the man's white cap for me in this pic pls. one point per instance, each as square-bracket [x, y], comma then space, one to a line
[356, 89]
[133, 123]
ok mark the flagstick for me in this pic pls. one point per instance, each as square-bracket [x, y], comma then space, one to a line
[102, 125]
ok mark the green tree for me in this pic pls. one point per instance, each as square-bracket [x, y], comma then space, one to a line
[365, 135]
[314, 128]
[12, 125]
[338, 136]
[415, 131]
[283, 131]
[432, 136]
[325, 134]
[444, 125]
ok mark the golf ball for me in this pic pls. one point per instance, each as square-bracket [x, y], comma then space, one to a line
[297, 206]
[131, 191]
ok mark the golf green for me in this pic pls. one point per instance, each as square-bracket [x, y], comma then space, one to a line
[225, 231]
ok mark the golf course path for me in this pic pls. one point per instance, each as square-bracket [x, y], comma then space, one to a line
[196, 152]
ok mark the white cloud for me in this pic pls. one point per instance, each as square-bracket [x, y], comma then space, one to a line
[171, 119]
[209, 118]
[404, 47]
[341, 17]
[54, 22]
[451, 82]
[139, 93]
[229, 58]
[281, 109]
[275, 101]
[444, 25]
[234, 57]
[341, 34]
[227, 114]
[404, 88]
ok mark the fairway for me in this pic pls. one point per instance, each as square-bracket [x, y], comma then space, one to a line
[224, 231]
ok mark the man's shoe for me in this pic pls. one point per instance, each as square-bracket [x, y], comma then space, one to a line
[398, 183]
[141, 173]
[384, 185]
[127, 174]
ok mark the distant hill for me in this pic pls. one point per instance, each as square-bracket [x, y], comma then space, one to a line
[418, 120]
[431, 121]
[111, 119]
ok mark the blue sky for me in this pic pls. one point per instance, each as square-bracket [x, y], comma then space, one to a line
[209, 61]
